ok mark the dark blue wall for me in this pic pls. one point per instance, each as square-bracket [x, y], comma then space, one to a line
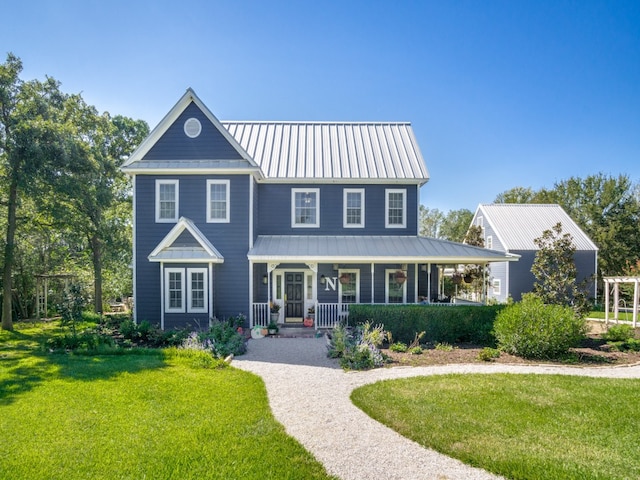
[230, 279]
[274, 210]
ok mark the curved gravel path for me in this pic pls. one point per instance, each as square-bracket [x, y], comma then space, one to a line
[309, 394]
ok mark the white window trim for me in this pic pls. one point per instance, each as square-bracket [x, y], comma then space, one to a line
[480, 221]
[346, 191]
[404, 207]
[167, 307]
[227, 218]
[386, 286]
[349, 270]
[293, 207]
[497, 286]
[177, 212]
[489, 242]
[205, 303]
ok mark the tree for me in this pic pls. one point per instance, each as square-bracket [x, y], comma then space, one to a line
[479, 274]
[555, 270]
[36, 141]
[608, 210]
[455, 225]
[516, 195]
[94, 201]
[430, 222]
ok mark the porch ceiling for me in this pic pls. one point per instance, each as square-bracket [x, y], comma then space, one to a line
[369, 249]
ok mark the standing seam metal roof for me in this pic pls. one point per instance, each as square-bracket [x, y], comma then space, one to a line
[518, 225]
[332, 150]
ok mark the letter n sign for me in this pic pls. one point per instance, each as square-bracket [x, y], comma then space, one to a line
[331, 284]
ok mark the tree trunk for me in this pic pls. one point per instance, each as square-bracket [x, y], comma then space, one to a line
[7, 320]
[96, 249]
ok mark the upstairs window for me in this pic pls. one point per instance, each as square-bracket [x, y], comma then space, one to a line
[353, 208]
[218, 201]
[167, 200]
[489, 242]
[396, 208]
[305, 208]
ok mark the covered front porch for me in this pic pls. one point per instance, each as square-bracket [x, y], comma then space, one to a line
[317, 277]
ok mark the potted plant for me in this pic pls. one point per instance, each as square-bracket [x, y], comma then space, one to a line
[273, 328]
[401, 277]
[274, 307]
[311, 312]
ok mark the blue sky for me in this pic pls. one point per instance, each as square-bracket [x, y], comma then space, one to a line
[500, 93]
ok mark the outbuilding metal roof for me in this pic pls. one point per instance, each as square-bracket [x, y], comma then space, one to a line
[367, 249]
[332, 150]
[517, 225]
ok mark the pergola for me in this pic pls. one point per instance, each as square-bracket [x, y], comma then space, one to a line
[616, 281]
[42, 290]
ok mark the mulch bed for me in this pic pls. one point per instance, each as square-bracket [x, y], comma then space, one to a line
[592, 352]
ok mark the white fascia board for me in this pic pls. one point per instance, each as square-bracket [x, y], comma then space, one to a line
[341, 259]
[187, 260]
[194, 171]
[344, 180]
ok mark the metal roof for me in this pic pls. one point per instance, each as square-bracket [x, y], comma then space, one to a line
[517, 225]
[367, 249]
[332, 150]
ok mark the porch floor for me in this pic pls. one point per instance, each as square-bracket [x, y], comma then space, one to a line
[295, 331]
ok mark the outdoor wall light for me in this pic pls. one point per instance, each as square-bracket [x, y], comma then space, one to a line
[265, 279]
[323, 279]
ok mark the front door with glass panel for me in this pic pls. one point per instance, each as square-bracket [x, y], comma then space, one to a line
[294, 289]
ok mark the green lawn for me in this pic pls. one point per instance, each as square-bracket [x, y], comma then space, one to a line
[519, 426]
[626, 316]
[133, 416]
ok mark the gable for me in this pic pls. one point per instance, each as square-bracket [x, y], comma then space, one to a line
[185, 242]
[175, 144]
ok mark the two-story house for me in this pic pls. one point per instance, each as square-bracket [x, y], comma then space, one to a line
[230, 217]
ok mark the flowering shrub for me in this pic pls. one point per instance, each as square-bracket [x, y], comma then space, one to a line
[222, 339]
[358, 349]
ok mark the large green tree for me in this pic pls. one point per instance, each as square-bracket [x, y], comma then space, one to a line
[455, 225]
[36, 142]
[430, 222]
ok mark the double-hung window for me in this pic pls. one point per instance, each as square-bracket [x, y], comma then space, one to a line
[167, 196]
[218, 201]
[186, 290]
[353, 202]
[396, 208]
[305, 207]
[349, 286]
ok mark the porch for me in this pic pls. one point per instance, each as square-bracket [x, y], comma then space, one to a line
[327, 315]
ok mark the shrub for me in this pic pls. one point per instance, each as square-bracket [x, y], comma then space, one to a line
[398, 347]
[488, 354]
[224, 338]
[619, 333]
[416, 350]
[440, 324]
[444, 347]
[531, 329]
[357, 349]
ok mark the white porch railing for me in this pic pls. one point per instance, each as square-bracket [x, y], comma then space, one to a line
[328, 315]
[261, 314]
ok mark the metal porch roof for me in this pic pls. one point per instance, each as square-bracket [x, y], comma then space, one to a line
[367, 249]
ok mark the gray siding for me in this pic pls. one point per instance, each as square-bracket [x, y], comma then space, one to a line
[176, 145]
[274, 210]
[230, 279]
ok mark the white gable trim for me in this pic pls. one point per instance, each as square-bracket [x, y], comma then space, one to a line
[182, 225]
[155, 135]
[496, 233]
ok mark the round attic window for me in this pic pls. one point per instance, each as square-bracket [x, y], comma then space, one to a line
[192, 127]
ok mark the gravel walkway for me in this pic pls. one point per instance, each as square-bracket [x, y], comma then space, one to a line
[309, 395]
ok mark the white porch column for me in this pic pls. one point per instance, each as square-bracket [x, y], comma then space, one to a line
[250, 293]
[416, 267]
[635, 303]
[429, 282]
[162, 300]
[373, 289]
[606, 302]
